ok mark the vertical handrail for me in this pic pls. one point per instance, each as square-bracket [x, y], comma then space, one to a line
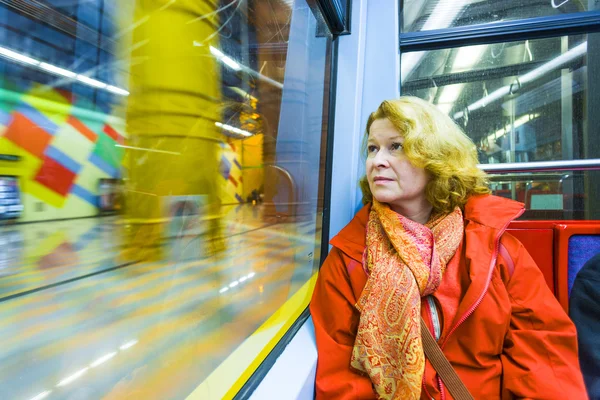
[292, 185]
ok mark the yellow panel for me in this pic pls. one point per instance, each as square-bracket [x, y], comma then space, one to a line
[75, 207]
[47, 245]
[30, 210]
[88, 177]
[39, 98]
[253, 173]
[72, 143]
[43, 193]
[229, 377]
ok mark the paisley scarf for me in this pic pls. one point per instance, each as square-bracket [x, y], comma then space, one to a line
[405, 261]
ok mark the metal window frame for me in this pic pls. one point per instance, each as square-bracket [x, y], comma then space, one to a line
[334, 16]
[503, 31]
[259, 374]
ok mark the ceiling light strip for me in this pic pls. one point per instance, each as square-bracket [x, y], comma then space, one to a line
[65, 73]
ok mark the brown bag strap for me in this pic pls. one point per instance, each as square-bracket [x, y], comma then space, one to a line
[440, 363]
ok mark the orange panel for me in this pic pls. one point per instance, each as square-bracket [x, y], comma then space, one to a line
[84, 130]
[539, 243]
[28, 135]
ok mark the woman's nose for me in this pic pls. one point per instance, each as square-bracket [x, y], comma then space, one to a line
[381, 159]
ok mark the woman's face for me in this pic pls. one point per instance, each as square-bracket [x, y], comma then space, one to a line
[392, 178]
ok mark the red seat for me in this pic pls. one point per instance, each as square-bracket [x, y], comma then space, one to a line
[538, 239]
[548, 244]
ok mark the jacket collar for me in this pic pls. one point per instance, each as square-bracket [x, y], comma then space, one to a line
[487, 210]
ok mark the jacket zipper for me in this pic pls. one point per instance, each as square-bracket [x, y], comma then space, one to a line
[487, 285]
[480, 299]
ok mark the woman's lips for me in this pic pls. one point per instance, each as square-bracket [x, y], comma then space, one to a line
[382, 180]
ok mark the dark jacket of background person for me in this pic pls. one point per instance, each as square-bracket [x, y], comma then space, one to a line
[506, 335]
[584, 308]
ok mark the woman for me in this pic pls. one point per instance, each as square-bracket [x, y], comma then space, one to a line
[430, 243]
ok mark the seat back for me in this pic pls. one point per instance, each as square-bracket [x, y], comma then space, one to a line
[560, 249]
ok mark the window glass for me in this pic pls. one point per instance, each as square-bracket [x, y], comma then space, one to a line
[521, 102]
[425, 15]
[161, 191]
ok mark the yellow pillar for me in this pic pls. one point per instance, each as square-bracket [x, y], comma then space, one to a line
[172, 108]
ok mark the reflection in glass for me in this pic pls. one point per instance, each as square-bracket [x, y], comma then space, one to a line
[519, 102]
[163, 166]
[424, 15]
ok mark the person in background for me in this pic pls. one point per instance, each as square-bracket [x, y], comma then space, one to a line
[584, 308]
[430, 243]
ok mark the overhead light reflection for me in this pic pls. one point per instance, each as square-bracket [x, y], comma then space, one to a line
[233, 129]
[57, 70]
[42, 395]
[92, 82]
[117, 90]
[71, 378]
[53, 69]
[468, 56]
[103, 359]
[237, 282]
[17, 56]
[518, 122]
[225, 59]
[128, 344]
[551, 65]
[450, 93]
[239, 67]
[441, 17]
[150, 150]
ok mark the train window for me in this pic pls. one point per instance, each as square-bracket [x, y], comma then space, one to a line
[522, 102]
[425, 15]
[161, 191]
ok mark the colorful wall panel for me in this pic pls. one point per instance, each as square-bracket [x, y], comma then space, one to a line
[231, 172]
[64, 150]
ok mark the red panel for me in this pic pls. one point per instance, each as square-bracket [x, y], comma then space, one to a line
[562, 232]
[232, 179]
[113, 134]
[81, 128]
[27, 135]
[55, 177]
[539, 243]
[63, 256]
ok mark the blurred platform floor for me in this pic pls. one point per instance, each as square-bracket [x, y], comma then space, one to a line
[73, 327]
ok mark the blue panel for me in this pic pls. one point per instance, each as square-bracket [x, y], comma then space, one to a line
[84, 194]
[581, 249]
[225, 167]
[63, 159]
[5, 118]
[104, 166]
[38, 118]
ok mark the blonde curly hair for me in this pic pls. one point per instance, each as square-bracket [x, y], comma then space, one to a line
[434, 142]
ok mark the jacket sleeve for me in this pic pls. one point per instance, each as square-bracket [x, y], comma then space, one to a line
[540, 350]
[336, 323]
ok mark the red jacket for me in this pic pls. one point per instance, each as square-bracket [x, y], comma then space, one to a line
[501, 327]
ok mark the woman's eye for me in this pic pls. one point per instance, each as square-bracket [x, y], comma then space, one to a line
[371, 149]
[396, 146]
